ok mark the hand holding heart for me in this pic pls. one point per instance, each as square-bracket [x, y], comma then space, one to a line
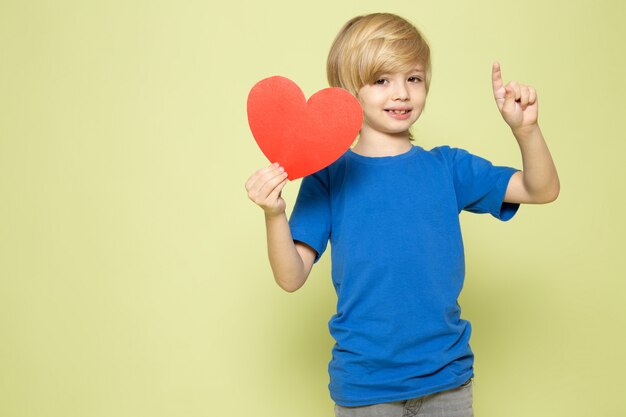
[517, 102]
[264, 189]
[300, 137]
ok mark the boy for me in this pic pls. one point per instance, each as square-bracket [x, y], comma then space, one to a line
[390, 210]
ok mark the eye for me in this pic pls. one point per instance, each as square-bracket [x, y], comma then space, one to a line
[381, 81]
[415, 79]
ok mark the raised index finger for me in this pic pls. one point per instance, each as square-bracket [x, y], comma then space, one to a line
[496, 77]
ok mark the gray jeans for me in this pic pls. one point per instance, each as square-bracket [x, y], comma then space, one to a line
[456, 402]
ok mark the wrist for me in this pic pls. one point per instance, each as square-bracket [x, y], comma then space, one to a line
[272, 215]
[523, 132]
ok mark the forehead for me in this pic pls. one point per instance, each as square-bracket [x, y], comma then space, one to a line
[404, 70]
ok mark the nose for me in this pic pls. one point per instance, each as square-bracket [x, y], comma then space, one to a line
[401, 92]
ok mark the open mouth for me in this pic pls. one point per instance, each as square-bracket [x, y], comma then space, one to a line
[399, 114]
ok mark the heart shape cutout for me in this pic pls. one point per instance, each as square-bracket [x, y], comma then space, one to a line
[302, 136]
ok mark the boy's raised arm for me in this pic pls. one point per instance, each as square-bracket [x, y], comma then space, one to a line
[538, 182]
[291, 262]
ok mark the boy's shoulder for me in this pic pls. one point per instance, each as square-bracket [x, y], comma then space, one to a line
[446, 150]
[454, 155]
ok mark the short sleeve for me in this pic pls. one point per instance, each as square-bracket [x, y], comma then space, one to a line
[480, 186]
[310, 221]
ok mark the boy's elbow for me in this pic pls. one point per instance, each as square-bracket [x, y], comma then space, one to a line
[555, 191]
[554, 195]
[290, 289]
[550, 195]
[290, 285]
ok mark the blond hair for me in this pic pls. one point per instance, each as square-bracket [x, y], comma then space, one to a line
[375, 44]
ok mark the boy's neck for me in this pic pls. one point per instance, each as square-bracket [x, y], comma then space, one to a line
[382, 145]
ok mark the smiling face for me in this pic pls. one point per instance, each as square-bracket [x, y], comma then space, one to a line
[392, 103]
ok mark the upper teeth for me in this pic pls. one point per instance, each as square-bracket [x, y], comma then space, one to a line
[399, 111]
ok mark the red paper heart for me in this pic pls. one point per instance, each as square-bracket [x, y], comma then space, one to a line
[302, 136]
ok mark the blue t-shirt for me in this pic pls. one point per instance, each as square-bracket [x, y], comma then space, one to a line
[397, 266]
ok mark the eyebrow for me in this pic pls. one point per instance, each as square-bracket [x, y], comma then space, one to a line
[411, 71]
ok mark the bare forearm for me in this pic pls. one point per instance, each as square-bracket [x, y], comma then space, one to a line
[287, 265]
[290, 263]
[540, 178]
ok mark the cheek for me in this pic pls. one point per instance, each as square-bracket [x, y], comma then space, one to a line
[368, 110]
[421, 103]
[364, 106]
[419, 109]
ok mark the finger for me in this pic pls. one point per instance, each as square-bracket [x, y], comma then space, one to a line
[509, 99]
[275, 194]
[496, 78]
[517, 89]
[524, 96]
[254, 178]
[268, 177]
[268, 188]
[532, 98]
[255, 189]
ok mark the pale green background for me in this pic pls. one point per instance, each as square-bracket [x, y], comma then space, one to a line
[133, 277]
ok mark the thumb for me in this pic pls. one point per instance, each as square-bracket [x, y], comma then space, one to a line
[509, 100]
[276, 192]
